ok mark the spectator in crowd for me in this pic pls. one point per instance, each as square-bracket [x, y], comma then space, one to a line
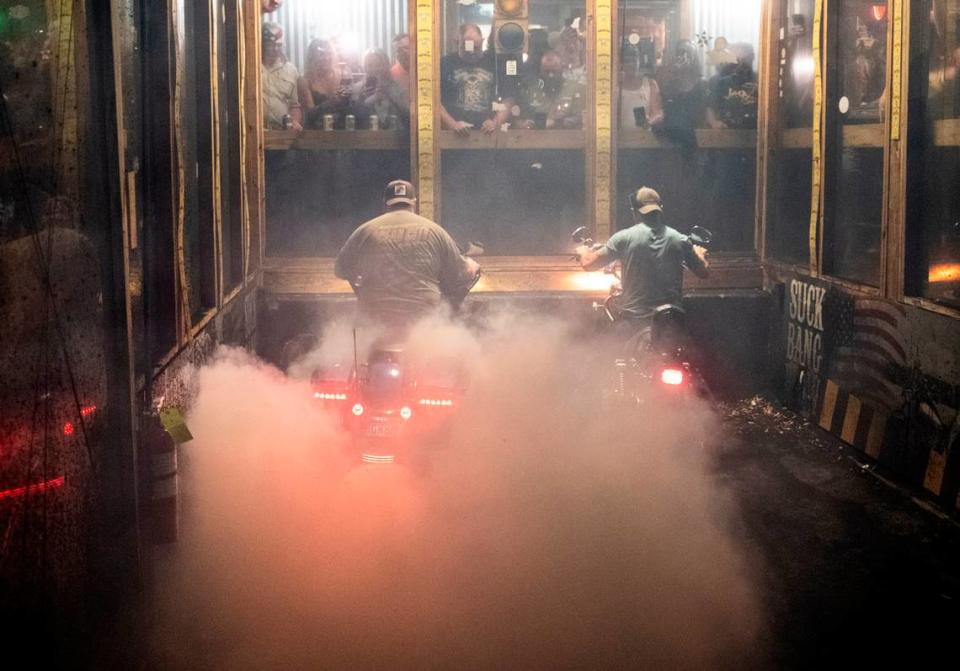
[400, 71]
[552, 101]
[378, 93]
[733, 92]
[468, 86]
[641, 105]
[684, 95]
[325, 87]
[944, 92]
[538, 43]
[571, 47]
[865, 77]
[281, 102]
[270, 6]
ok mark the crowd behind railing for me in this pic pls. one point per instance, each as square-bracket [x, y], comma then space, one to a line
[486, 90]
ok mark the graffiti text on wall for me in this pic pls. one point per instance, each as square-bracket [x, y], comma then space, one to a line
[805, 335]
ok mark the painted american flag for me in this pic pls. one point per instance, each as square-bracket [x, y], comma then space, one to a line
[869, 350]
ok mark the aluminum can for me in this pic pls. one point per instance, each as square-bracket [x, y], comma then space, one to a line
[286, 121]
[350, 122]
[374, 122]
[393, 122]
[327, 122]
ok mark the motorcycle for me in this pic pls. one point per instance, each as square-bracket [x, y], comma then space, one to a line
[394, 404]
[657, 362]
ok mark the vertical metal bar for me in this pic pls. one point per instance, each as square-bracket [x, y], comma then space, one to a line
[768, 121]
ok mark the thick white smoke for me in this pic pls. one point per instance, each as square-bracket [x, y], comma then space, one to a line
[547, 534]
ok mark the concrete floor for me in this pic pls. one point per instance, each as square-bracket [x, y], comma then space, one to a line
[857, 571]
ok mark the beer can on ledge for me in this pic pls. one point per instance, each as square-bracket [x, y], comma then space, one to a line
[374, 122]
[350, 123]
[327, 122]
[393, 122]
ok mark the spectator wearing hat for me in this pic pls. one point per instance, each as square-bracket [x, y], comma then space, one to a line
[402, 265]
[280, 97]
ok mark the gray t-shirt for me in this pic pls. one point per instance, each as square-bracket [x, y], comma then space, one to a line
[407, 263]
[653, 261]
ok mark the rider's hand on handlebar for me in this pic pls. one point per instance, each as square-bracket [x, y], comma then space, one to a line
[702, 253]
[580, 251]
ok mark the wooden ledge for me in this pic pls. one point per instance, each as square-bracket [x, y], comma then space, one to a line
[302, 278]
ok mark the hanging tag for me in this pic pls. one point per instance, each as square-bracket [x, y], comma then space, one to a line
[174, 424]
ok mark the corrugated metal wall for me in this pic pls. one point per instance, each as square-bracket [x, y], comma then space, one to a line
[362, 24]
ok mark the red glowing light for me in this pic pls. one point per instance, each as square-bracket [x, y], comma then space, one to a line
[35, 488]
[672, 376]
[68, 429]
[879, 11]
[87, 410]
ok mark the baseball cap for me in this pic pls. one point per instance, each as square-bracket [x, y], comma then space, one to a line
[646, 200]
[399, 191]
[271, 32]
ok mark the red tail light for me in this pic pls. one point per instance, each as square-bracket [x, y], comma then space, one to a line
[68, 429]
[672, 376]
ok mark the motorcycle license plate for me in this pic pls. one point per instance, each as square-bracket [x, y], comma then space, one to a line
[378, 429]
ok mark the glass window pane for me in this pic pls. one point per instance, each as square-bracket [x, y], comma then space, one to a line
[197, 137]
[336, 91]
[933, 206]
[231, 205]
[687, 113]
[796, 74]
[855, 143]
[791, 159]
[513, 94]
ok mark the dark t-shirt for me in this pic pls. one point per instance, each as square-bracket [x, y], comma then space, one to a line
[733, 97]
[407, 263]
[653, 262]
[467, 90]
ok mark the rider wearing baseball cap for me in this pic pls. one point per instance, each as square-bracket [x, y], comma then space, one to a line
[652, 254]
[402, 265]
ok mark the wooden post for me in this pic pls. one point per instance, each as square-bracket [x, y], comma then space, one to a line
[602, 79]
[819, 120]
[213, 32]
[252, 124]
[768, 119]
[895, 171]
[427, 109]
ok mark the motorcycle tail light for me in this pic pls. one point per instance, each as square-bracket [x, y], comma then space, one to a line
[357, 409]
[446, 402]
[672, 376]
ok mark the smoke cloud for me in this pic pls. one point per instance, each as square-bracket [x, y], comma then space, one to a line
[548, 533]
